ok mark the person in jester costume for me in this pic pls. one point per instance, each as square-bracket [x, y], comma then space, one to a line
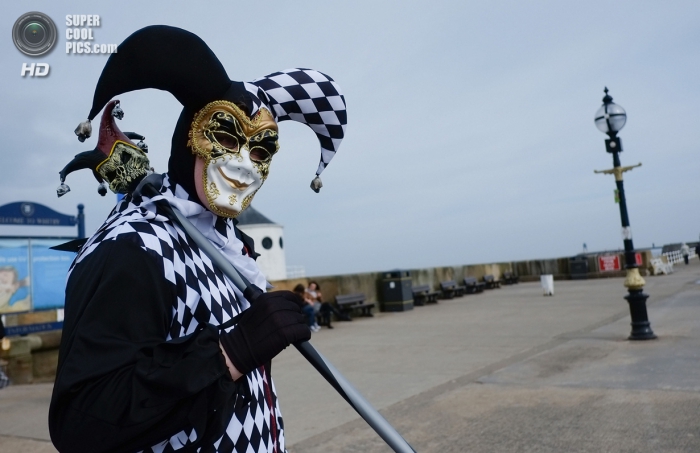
[150, 359]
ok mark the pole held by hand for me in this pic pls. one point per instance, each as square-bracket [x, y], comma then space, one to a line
[148, 187]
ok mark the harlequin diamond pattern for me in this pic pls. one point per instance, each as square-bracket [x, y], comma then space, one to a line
[204, 295]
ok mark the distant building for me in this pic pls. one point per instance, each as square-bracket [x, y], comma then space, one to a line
[268, 242]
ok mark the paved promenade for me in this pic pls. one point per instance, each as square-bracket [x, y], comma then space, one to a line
[504, 371]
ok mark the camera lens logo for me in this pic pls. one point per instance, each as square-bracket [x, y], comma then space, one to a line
[34, 34]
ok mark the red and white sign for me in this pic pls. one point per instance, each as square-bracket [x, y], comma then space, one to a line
[638, 259]
[607, 263]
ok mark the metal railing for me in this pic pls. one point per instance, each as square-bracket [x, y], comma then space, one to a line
[296, 272]
[676, 256]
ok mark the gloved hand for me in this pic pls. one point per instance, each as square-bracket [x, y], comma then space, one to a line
[273, 322]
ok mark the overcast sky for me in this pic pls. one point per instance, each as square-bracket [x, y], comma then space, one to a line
[470, 132]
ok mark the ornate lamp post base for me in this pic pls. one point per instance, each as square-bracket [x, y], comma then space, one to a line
[641, 329]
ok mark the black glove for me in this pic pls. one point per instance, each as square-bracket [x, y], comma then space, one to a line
[273, 322]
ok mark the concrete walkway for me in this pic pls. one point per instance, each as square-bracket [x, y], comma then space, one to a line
[504, 371]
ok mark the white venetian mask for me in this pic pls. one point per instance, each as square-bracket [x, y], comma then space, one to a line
[234, 154]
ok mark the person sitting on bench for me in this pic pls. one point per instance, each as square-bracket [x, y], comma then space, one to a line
[308, 308]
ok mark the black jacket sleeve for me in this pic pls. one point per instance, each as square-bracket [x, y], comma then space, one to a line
[119, 385]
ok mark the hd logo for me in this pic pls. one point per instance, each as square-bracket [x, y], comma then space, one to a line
[35, 69]
[34, 34]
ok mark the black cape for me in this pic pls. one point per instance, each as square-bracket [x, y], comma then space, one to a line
[120, 387]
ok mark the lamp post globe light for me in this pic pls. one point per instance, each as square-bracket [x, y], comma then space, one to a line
[610, 119]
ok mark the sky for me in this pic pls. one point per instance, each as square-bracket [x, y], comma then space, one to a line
[470, 133]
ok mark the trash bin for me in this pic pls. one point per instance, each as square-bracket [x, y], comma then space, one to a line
[547, 282]
[578, 267]
[395, 291]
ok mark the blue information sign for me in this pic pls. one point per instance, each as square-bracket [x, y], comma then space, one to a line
[28, 213]
[33, 328]
[32, 276]
[14, 276]
[49, 271]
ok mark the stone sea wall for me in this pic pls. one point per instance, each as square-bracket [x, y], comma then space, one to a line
[370, 283]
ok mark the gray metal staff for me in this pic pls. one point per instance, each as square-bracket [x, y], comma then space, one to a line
[327, 370]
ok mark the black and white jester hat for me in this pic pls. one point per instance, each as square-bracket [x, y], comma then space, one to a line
[177, 61]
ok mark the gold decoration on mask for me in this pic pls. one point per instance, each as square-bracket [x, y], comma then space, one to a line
[247, 200]
[232, 200]
[258, 136]
[125, 165]
[214, 190]
[263, 168]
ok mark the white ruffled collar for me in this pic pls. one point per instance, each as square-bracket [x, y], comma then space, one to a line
[219, 230]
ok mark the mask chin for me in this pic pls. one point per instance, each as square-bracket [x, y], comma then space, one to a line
[227, 184]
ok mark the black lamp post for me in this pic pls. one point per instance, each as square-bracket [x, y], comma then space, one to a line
[610, 119]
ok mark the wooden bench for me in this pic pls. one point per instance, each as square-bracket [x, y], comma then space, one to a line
[349, 303]
[473, 286]
[491, 282]
[422, 295]
[510, 278]
[450, 289]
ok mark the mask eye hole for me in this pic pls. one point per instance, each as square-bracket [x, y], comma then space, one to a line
[259, 154]
[227, 141]
[263, 146]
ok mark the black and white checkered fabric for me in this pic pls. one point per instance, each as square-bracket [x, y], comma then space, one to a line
[204, 295]
[306, 96]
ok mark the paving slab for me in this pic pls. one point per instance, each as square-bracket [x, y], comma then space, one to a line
[24, 419]
[603, 360]
[487, 418]
[506, 370]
